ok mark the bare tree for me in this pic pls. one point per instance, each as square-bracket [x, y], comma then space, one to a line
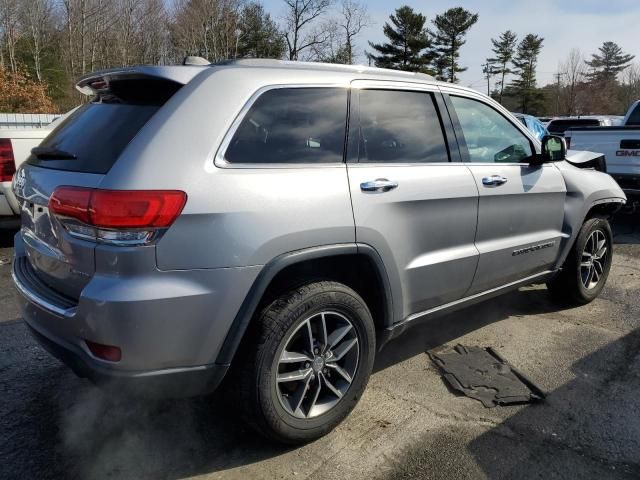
[630, 84]
[353, 18]
[299, 17]
[10, 29]
[572, 71]
[35, 17]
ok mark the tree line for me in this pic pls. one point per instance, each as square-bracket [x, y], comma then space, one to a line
[45, 45]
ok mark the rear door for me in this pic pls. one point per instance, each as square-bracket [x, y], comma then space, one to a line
[521, 207]
[415, 206]
[78, 152]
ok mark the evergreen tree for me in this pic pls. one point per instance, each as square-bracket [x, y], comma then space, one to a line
[504, 49]
[408, 44]
[609, 63]
[451, 28]
[525, 63]
[259, 34]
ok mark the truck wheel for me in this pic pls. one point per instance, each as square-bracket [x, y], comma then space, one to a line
[586, 269]
[308, 362]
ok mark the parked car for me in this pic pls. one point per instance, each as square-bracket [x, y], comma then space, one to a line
[620, 146]
[534, 125]
[281, 221]
[15, 147]
[558, 126]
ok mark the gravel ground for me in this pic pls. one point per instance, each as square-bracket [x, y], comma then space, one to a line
[408, 425]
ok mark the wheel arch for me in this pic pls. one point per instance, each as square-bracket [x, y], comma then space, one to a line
[341, 262]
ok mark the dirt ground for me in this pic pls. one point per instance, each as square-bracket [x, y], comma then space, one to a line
[408, 425]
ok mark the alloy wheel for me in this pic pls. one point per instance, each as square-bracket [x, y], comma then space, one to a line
[594, 258]
[317, 365]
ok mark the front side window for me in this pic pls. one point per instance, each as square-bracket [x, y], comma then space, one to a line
[400, 127]
[292, 125]
[489, 136]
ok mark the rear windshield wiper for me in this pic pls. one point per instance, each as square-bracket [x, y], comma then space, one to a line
[50, 153]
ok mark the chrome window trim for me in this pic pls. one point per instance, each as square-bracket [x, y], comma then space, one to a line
[221, 162]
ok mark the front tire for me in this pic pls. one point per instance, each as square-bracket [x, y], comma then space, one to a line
[587, 267]
[308, 363]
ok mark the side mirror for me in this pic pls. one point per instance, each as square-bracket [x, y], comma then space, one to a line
[554, 148]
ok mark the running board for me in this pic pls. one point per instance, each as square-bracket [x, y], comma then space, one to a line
[398, 328]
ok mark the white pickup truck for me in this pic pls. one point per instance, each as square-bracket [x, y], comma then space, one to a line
[15, 148]
[620, 146]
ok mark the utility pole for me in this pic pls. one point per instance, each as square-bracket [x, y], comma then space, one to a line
[487, 69]
[558, 77]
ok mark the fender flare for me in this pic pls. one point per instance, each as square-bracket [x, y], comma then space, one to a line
[271, 269]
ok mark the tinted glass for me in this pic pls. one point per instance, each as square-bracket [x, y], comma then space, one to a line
[292, 125]
[558, 127]
[489, 136]
[97, 133]
[634, 118]
[398, 126]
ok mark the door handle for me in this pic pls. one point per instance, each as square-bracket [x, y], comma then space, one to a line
[494, 180]
[379, 185]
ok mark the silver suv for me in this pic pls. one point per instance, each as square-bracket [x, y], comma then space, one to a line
[282, 221]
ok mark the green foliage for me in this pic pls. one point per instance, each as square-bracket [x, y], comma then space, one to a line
[504, 48]
[260, 37]
[525, 63]
[606, 65]
[451, 28]
[408, 46]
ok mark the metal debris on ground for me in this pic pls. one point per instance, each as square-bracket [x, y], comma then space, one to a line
[481, 373]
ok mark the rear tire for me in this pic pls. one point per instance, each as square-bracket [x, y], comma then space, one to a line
[587, 266]
[321, 334]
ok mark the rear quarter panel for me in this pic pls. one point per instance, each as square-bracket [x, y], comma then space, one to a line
[234, 217]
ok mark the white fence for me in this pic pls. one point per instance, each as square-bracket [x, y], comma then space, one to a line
[26, 120]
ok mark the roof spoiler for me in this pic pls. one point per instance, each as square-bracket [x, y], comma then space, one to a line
[98, 82]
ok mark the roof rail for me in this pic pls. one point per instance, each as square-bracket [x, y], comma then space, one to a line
[271, 62]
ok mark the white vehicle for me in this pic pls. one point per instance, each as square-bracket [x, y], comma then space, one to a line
[619, 144]
[15, 148]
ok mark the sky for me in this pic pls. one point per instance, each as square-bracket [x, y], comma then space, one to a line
[564, 24]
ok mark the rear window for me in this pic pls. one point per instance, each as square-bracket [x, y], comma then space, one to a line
[634, 118]
[561, 126]
[97, 133]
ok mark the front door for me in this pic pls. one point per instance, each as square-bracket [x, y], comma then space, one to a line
[520, 208]
[410, 202]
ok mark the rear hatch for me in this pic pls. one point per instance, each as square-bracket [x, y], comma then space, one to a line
[79, 152]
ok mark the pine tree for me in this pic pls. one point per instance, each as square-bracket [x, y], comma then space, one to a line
[408, 44]
[525, 63]
[504, 49]
[609, 63]
[259, 36]
[451, 28]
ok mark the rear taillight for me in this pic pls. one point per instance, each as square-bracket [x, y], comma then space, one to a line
[120, 217]
[7, 162]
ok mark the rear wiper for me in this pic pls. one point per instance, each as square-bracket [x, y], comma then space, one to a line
[50, 153]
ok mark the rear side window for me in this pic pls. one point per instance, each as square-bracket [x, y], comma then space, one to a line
[400, 127]
[292, 125]
[91, 138]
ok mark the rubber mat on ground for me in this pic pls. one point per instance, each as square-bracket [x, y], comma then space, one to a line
[481, 373]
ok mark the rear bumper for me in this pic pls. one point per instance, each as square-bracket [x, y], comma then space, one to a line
[176, 382]
[8, 203]
[169, 325]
